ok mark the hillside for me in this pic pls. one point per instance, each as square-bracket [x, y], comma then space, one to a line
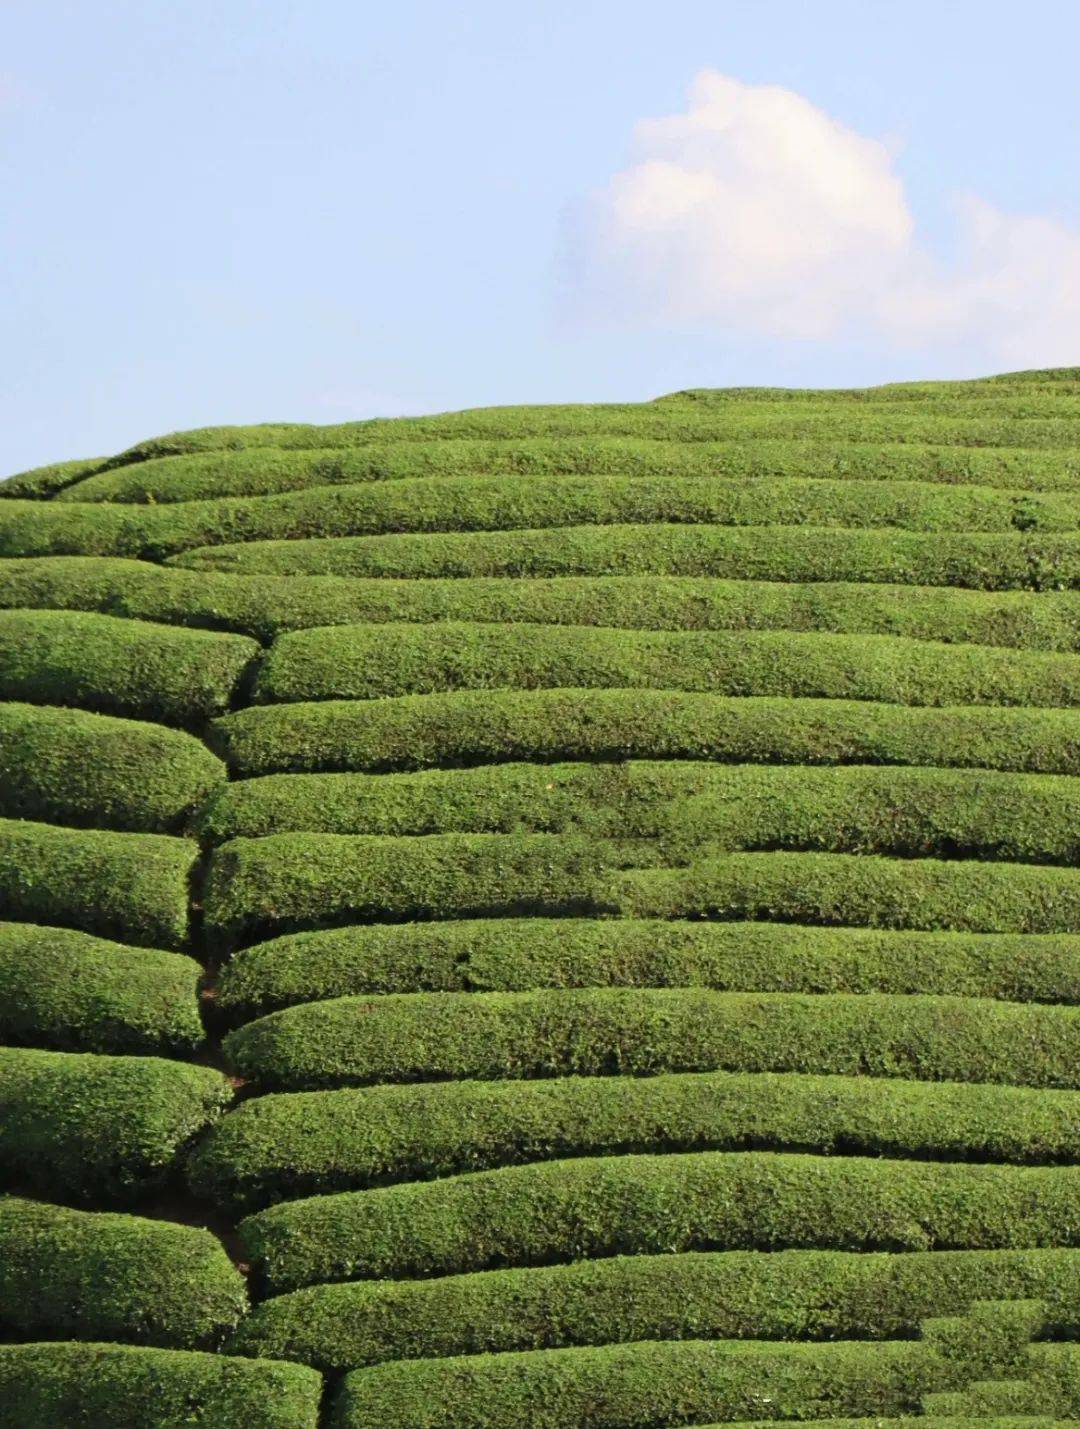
[547, 916]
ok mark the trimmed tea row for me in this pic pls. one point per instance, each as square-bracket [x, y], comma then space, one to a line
[265, 606]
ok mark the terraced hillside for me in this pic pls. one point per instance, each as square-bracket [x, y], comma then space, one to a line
[547, 916]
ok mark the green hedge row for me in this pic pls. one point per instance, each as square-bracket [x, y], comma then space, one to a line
[120, 667]
[782, 1295]
[285, 1145]
[1048, 420]
[991, 1338]
[83, 1127]
[499, 503]
[516, 954]
[289, 882]
[132, 887]
[263, 471]
[1031, 382]
[648, 1383]
[1055, 1381]
[641, 1204]
[435, 1036]
[265, 606]
[967, 1418]
[835, 888]
[70, 991]
[493, 726]
[866, 809]
[44, 482]
[372, 661]
[69, 767]
[99, 1276]
[979, 561]
[1044, 1381]
[43, 1386]
[856, 809]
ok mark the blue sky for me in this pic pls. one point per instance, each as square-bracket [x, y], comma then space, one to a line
[230, 212]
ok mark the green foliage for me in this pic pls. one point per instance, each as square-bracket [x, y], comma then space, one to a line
[648, 1383]
[683, 805]
[494, 726]
[95, 1275]
[991, 1337]
[432, 1036]
[132, 887]
[833, 888]
[642, 1205]
[979, 561]
[372, 661]
[788, 1295]
[924, 1420]
[265, 606]
[516, 954]
[73, 992]
[88, 1128]
[661, 817]
[45, 482]
[75, 768]
[945, 414]
[1055, 1380]
[510, 502]
[120, 667]
[43, 1386]
[262, 471]
[290, 882]
[1043, 1380]
[308, 1143]
[966, 1419]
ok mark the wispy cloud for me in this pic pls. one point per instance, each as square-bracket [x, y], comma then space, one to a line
[757, 212]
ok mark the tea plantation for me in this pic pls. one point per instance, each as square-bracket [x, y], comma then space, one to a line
[563, 917]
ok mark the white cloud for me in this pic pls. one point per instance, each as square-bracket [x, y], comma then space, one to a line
[756, 211]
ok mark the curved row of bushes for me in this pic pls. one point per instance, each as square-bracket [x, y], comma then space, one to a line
[42, 483]
[120, 667]
[83, 1127]
[495, 726]
[499, 503]
[980, 561]
[856, 809]
[516, 954]
[647, 1383]
[263, 471]
[966, 1418]
[73, 992]
[373, 661]
[46, 1385]
[854, 889]
[131, 887]
[609, 1031]
[100, 1276]
[976, 419]
[291, 882]
[640, 1204]
[266, 606]
[70, 767]
[603, 799]
[783, 1295]
[285, 1145]
[288, 882]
